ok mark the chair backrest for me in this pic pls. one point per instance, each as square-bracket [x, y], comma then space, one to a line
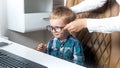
[101, 50]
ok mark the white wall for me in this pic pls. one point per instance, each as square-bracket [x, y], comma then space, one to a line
[31, 39]
[3, 18]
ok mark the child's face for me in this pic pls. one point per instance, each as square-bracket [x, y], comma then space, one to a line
[57, 28]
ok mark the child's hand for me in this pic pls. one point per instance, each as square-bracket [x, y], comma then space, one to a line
[41, 47]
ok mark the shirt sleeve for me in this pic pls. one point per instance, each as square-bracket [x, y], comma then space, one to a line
[49, 45]
[78, 54]
[88, 5]
[105, 25]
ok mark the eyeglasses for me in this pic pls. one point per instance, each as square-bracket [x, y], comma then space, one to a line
[56, 29]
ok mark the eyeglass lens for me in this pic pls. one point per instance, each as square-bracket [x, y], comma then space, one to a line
[57, 29]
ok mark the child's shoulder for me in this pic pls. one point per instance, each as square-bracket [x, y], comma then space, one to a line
[51, 39]
[73, 38]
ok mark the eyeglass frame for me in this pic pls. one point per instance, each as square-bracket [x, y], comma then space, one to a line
[56, 29]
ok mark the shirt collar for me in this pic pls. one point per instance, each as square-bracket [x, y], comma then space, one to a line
[63, 40]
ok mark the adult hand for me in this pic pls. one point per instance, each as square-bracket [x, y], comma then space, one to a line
[41, 47]
[76, 25]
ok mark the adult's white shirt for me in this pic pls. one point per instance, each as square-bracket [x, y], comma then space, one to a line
[106, 25]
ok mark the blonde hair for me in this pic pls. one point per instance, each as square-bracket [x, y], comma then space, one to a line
[63, 13]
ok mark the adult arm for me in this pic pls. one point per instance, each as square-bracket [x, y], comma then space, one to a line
[88, 5]
[105, 25]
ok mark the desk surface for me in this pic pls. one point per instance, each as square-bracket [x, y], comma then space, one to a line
[36, 56]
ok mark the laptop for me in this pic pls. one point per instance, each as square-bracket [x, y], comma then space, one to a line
[9, 60]
[13, 55]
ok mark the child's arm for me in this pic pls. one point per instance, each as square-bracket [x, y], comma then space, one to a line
[78, 54]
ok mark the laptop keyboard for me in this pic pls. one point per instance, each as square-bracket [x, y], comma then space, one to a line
[9, 60]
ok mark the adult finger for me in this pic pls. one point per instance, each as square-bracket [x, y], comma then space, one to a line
[66, 27]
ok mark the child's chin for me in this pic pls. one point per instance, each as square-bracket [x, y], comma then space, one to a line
[57, 36]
